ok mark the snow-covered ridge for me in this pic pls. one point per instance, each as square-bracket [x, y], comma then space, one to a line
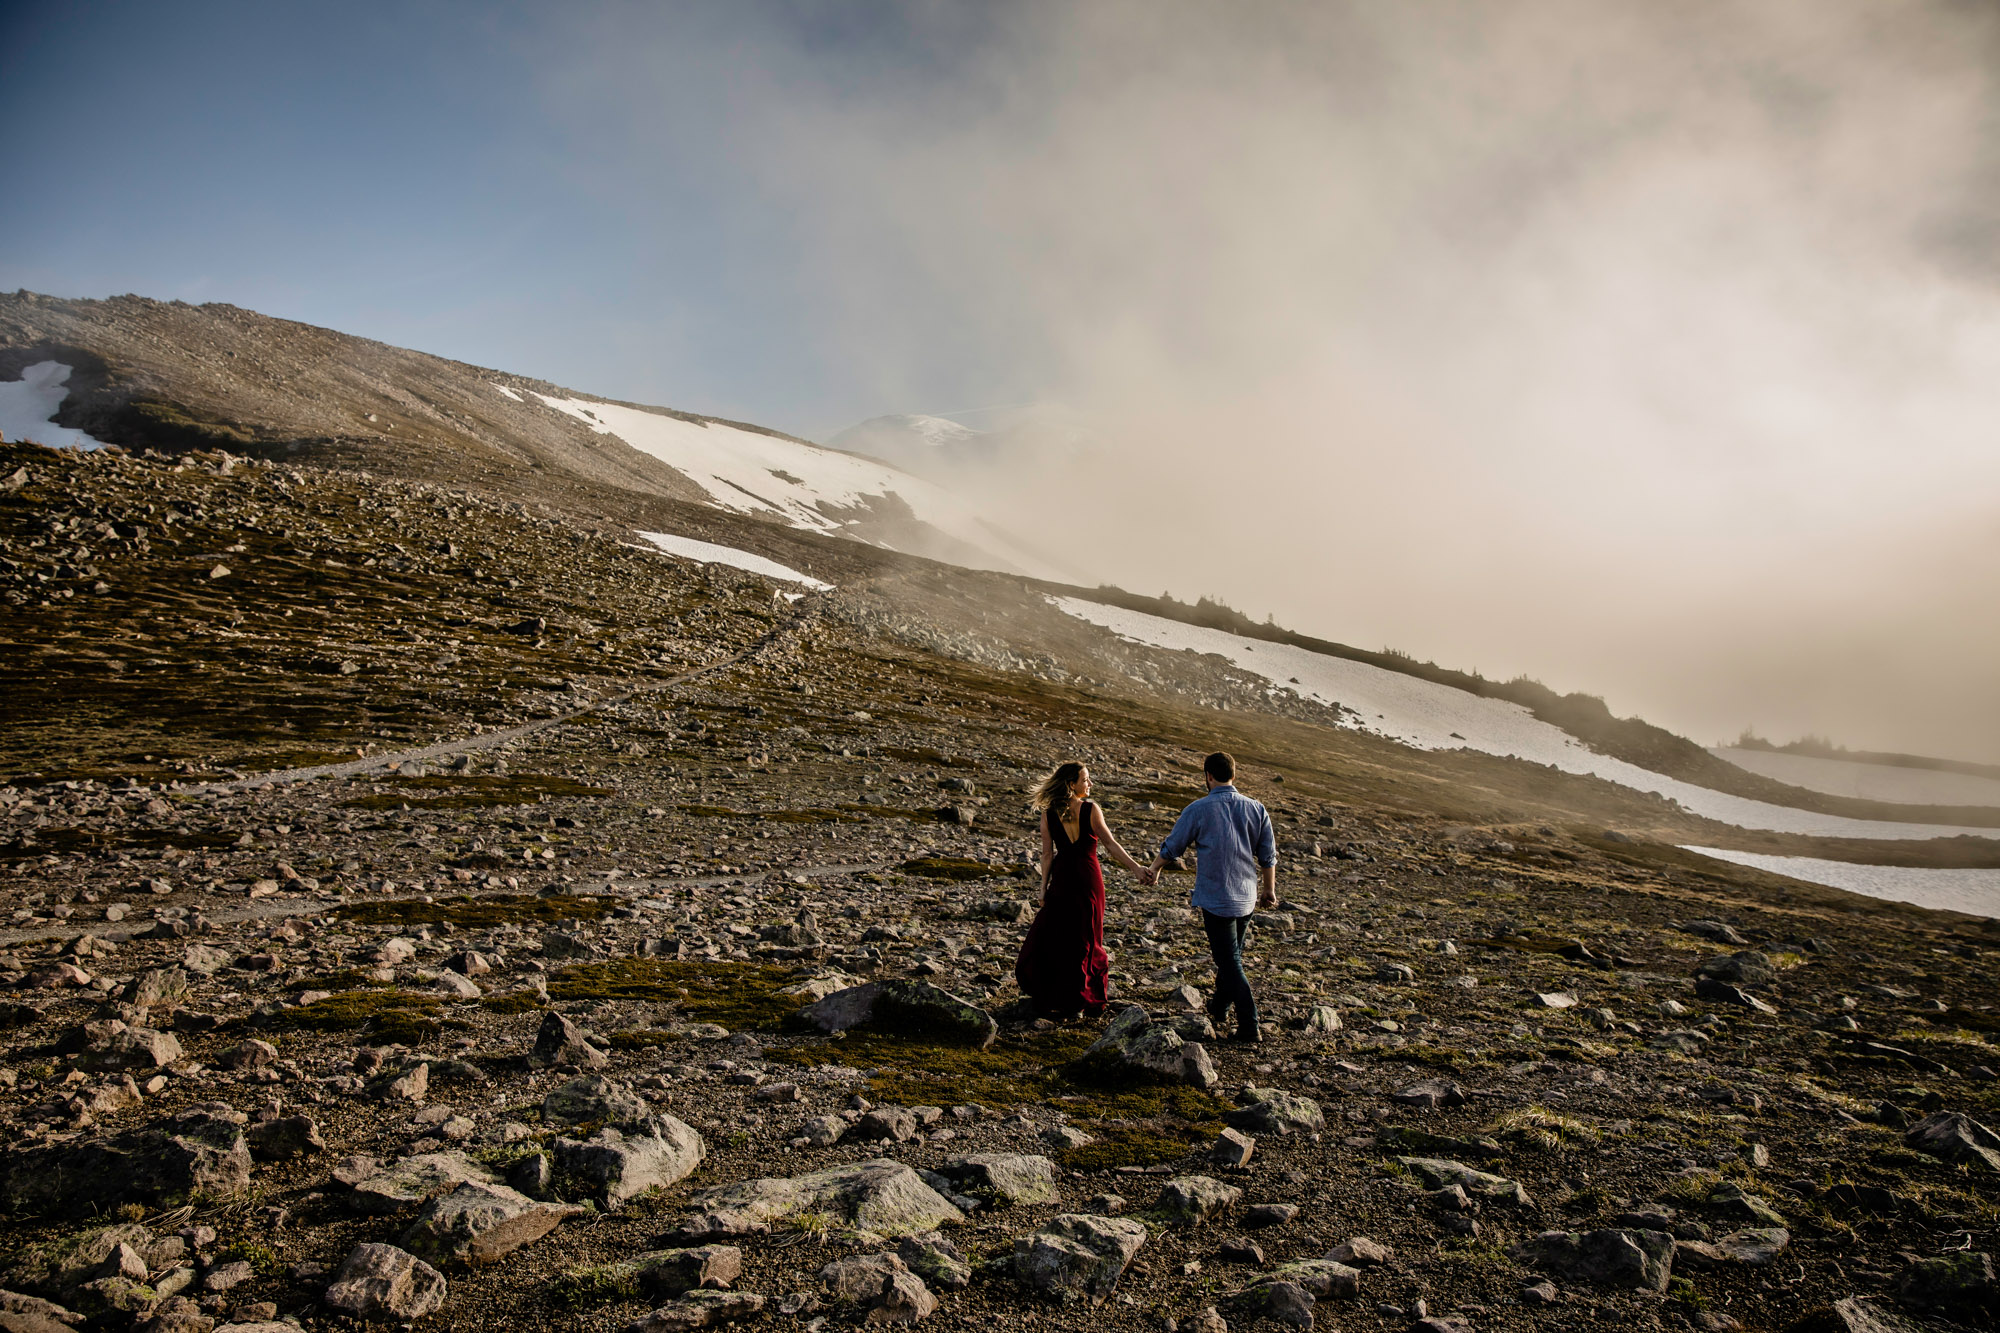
[1869, 782]
[708, 553]
[1972, 891]
[1428, 716]
[28, 407]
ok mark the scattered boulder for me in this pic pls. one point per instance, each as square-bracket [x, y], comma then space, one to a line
[1135, 1044]
[1747, 968]
[914, 1008]
[1362, 1252]
[482, 1223]
[1722, 992]
[1634, 1260]
[1716, 932]
[879, 1195]
[199, 1149]
[1322, 1277]
[1077, 1256]
[936, 1260]
[1278, 1300]
[383, 1282]
[560, 1042]
[1438, 1172]
[1275, 1111]
[1270, 1215]
[881, 1286]
[1732, 1202]
[284, 1138]
[1233, 1150]
[1007, 1178]
[706, 1267]
[893, 1123]
[699, 1309]
[593, 1099]
[112, 1046]
[381, 1190]
[253, 1053]
[1192, 1200]
[1955, 1137]
[1858, 1314]
[1431, 1094]
[619, 1162]
[1960, 1284]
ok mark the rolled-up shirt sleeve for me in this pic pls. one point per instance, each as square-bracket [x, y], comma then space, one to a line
[1267, 840]
[1184, 830]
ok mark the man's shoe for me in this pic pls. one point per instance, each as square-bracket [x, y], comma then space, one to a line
[1217, 1007]
[1245, 1037]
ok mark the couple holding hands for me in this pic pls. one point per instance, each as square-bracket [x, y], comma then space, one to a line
[1062, 966]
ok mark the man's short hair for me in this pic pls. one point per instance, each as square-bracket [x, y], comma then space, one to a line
[1220, 767]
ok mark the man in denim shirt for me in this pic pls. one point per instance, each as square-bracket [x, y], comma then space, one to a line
[1236, 873]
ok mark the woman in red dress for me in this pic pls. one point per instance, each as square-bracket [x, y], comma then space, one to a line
[1062, 964]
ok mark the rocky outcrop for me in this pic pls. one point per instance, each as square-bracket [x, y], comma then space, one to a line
[880, 1287]
[383, 1282]
[1077, 1256]
[1007, 1178]
[199, 1150]
[1955, 1137]
[619, 1162]
[1136, 1046]
[910, 1008]
[878, 1196]
[1275, 1111]
[481, 1223]
[1633, 1260]
[1441, 1173]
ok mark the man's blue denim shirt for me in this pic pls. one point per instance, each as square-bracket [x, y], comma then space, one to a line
[1231, 836]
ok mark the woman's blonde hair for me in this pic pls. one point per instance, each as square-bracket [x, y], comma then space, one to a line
[1058, 787]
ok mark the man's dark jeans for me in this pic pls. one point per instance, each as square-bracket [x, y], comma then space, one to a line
[1232, 987]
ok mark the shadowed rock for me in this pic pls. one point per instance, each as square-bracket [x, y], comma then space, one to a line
[1134, 1044]
[381, 1189]
[593, 1099]
[699, 1309]
[909, 1008]
[620, 1162]
[198, 1150]
[1012, 1178]
[1275, 1111]
[1634, 1260]
[881, 1286]
[383, 1282]
[1955, 1137]
[1077, 1257]
[482, 1223]
[1439, 1172]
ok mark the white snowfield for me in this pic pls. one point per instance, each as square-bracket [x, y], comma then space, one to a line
[1973, 891]
[1870, 782]
[803, 484]
[687, 548]
[506, 392]
[1428, 716]
[29, 404]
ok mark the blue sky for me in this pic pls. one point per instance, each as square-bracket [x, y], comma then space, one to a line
[554, 190]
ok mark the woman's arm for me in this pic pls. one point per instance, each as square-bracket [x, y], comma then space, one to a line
[1104, 834]
[1048, 856]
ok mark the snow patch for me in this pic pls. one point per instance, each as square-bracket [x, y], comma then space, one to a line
[506, 392]
[708, 553]
[28, 407]
[1428, 716]
[1973, 891]
[1870, 782]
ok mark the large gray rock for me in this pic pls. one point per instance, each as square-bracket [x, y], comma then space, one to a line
[1275, 1111]
[111, 1046]
[1322, 1277]
[197, 1150]
[1077, 1256]
[879, 1195]
[621, 1162]
[1277, 1300]
[1958, 1283]
[382, 1189]
[383, 1282]
[1858, 1314]
[482, 1223]
[1134, 1045]
[1003, 1177]
[699, 1267]
[1747, 968]
[1634, 1260]
[910, 1008]
[1955, 1137]
[560, 1042]
[699, 1309]
[880, 1286]
[1192, 1200]
[1440, 1173]
[593, 1099]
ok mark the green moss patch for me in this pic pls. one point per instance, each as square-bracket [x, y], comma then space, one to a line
[732, 994]
[1134, 1145]
[391, 1015]
[30, 843]
[513, 1002]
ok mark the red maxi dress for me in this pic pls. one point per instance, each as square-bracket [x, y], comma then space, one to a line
[1062, 965]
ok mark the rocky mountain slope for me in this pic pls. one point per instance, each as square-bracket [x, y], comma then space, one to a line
[427, 905]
